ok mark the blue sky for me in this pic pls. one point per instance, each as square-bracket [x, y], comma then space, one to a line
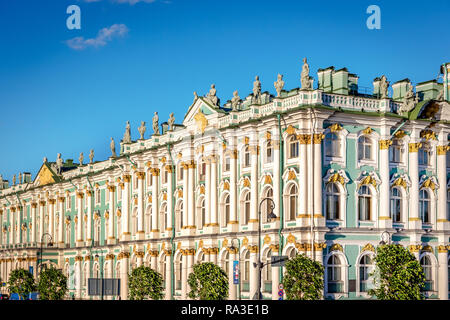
[54, 98]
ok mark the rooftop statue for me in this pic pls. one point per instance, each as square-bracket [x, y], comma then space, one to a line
[279, 84]
[384, 84]
[112, 145]
[20, 177]
[142, 129]
[256, 91]
[171, 121]
[235, 101]
[211, 96]
[306, 83]
[1, 178]
[14, 180]
[409, 101]
[440, 96]
[155, 123]
[195, 96]
[91, 156]
[127, 135]
[45, 159]
[59, 164]
[81, 158]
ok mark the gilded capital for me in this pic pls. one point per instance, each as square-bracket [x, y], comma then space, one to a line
[318, 137]
[442, 150]
[140, 175]
[414, 147]
[384, 144]
[127, 178]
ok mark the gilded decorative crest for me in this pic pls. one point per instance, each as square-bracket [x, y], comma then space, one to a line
[268, 135]
[427, 249]
[291, 238]
[267, 239]
[414, 147]
[291, 175]
[202, 189]
[267, 179]
[225, 243]
[290, 130]
[336, 247]
[400, 134]
[368, 247]
[246, 140]
[337, 178]
[384, 144]
[335, 127]
[367, 131]
[246, 182]
[428, 135]
[245, 241]
[201, 121]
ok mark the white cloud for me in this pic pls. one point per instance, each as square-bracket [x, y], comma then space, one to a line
[103, 37]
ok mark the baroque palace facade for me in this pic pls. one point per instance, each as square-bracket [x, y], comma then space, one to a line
[344, 171]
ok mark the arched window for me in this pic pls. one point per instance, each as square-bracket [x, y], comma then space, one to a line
[424, 205]
[178, 272]
[269, 152]
[201, 213]
[134, 222]
[246, 272]
[226, 262]
[293, 147]
[427, 267]
[202, 171]
[364, 148]
[266, 207]
[396, 204]
[365, 268]
[164, 217]
[334, 275]
[292, 197]
[364, 203]
[332, 145]
[247, 157]
[246, 208]
[332, 201]
[179, 215]
[226, 210]
[424, 154]
[97, 196]
[395, 151]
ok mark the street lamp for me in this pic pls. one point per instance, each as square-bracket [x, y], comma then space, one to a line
[270, 216]
[49, 244]
[385, 237]
[239, 264]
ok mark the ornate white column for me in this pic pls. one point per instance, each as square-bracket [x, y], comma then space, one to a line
[276, 177]
[124, 262]
[214, 216]
[233, 223]
[80, 196]
[154, 260]
[184, 274]
[443, 272]
[304, 140]
[140, 227]
[90, 210]
[384, 219]
[169, 225]
[185, 194]
[155, 202]
[191, 195]
[33, 222]
[275, 275]
[51, 217]
[61, 200]
[126, 208]
[139, 258]
[190, 264]
[112, 213]
[254, 217]
[414, 220]
[168, 279]
[213, 255]
[318, 214]
[442, 216]
[79, 262]
[208, 215]
[41, 220]
[1, 236]
[254, 271]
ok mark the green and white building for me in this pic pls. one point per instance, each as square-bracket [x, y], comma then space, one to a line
[344, 171]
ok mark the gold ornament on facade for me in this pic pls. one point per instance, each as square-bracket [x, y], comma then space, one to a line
[168, 168]
[268, 135]
[368, 247]
[267, 179]
[400, 134]
[367, 131]
[442, 150]
[368, 180]
[180, 193]
[414, 147]
[428, 135]
[78, 258]
[290, 130]
[141, 175]
[267, 239]
[414, 248]
[427, 249]
[399, 182]
[336, 178]
[107, 214]
[148, 164]
[246, 140]
[246, 182]
[304, 138]
[85, 217]
[336, 247]
[253, 249]
[110, 256]
[291, 238]
[335, 127]
[245, 241]
[225, 243]
[428, 184]
[163, 160]
[201, 121]
[154, 171]
[384, 144]
[67, 220]
[226, 185]
[442, 249]
[292, 175]
[318, 137]
[202, 189]
[320, 246]
[119, 213]
[149, 199]
[87, 258]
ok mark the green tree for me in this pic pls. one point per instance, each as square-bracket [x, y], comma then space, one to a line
[52, 284]
[21, 281]
[208, 282]
[397, 275]
[303, 279]
[145, 283]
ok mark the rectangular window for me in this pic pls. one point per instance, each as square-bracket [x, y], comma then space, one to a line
[227, 164]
